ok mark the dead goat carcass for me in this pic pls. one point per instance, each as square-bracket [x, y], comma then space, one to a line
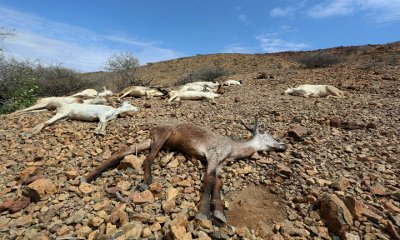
[92, 93]
[141, 91]
[309, 90]
[232, 82]
[192, 95]
[51, 103]
[198, 143]
[85, 112]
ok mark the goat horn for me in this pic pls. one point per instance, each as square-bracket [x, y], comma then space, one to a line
[255, 129]
[245, 126]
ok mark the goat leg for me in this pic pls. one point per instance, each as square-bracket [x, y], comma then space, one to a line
[204, 204]
[218, 212]
[114, 160]
[158, 140]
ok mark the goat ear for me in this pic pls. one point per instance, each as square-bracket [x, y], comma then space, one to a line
[256, 127]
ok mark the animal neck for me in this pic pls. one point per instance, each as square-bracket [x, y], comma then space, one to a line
[246, 148]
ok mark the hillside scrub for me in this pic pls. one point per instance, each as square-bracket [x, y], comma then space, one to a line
[21, 82]
[318, 60]
[124, 65]
[18, 85]
[209, 74]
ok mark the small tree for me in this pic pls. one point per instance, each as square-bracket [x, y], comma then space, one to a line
[124, 65]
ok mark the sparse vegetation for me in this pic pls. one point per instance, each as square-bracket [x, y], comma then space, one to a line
[18, 85]
[59, 81]
[318, 60]
[124, 65]
[209, 74]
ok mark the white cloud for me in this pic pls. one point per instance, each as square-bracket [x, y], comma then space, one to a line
[379, 10]
[271, 44]
[25, 45]
[75, 47]
[282, 12]
[243, 19]
[334, 8]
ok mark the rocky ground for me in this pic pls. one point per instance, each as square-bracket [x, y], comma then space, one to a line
[339, 177]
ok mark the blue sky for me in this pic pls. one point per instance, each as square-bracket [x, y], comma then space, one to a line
[83, 34]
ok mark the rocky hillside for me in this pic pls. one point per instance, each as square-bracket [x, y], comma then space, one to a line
[339, 176]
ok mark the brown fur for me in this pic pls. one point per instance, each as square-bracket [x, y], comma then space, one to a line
[198, 143]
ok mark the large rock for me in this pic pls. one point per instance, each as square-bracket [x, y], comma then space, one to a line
[30, 174]
[132, 161]
[355, 207]
[39, 189]
[172, 193]
[142, 197]
[297, 132]
[335, 214]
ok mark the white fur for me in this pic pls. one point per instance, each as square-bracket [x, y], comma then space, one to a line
[51, 103]
[192, 95]
[231, 82]
[86, 112]
[140, 91]
[91, 93]
[309, 90]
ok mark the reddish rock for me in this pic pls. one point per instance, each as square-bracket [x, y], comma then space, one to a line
[221, 89]
[335, 122]
[39, 189]
[72, 174]
[335, 214]
[142, 197]
[155, 187]
[355, 207]
[378, 189]
[371, 125]
[6, 204]
[30, 174]
[237, 99]
[297, 132]
[118, 215]
[390, 228]
[372, 215]
[283, 169]
[20, 204]
[147, 105]
[132, 161]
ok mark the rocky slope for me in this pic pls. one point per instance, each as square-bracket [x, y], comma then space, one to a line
[339, 176]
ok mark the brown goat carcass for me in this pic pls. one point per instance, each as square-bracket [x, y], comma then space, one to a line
[198, 143]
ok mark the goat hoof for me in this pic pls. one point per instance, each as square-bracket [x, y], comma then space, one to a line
[82, 180]
[220, 216]
[143, 187]
[100, 133]
[201, 216]
[28, 135]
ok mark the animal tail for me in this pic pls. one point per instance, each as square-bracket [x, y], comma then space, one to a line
[114, 160]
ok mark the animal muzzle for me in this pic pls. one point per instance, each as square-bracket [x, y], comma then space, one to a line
[280, 148]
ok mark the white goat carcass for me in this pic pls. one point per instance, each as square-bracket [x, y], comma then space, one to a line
[140, 91]
[199, 86]
[86, 112]
[232, 82]
[192, 95]
[91, 93]
[309, 90]
[51, 103]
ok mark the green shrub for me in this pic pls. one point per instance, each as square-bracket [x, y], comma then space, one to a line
[318, 60]
[18, 86]
[208, 74]
[59, 81]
